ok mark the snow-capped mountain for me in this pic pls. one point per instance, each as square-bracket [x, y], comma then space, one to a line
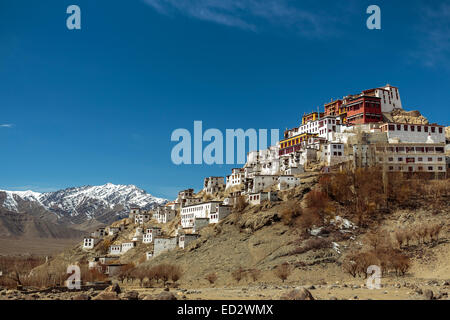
[105, 203]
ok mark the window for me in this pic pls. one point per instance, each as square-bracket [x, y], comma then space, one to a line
[420, 159]
[440, 168]
[391, 127]
[391, 159]
[433, 129]
[400, 159]
[405, 127]
[420, 168]
[440, 130]
[439, 159]
[430, 168]
[399, 127]
[419, 129]
[413, 128]
[391, 168]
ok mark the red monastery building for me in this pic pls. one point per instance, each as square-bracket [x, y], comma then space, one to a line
[364, 109]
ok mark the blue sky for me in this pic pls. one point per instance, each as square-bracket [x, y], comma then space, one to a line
[99, 104]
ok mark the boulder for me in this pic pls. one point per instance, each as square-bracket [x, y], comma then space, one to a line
[428, 294]
[130, 295]
[165, 296]
[297, 294]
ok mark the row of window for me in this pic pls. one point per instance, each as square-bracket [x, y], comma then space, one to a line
[419, 159]
[411, 169]
[411, 149]
[413, 128]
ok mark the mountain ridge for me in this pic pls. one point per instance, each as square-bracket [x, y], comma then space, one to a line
[75, 206]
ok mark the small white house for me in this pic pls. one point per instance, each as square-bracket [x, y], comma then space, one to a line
[288, 182]
[220, 213]
[149, 255]
[293, 171]
[185, 239]
[115, 249]
[128, 246]
[148, 238]
[142, 218]
[89, 243]
[99, 233]
[164, 214]
[213, 184]
[258, 198]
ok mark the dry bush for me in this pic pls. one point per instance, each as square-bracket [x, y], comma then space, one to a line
[290, 213]
[125, 272]
[400, 237]
[175, 272]
[318, 200]
[212, 277]
[350, 264]
[240, 204]
[238, 274]
[92, 275]
[283, 271]
[308, 219]
[255, 274]
[16, 270]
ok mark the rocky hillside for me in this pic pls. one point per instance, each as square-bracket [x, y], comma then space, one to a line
[403, 116]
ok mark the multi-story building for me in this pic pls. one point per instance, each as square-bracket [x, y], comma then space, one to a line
[164, 214]
[389, 97]
[338, 109]
[212, 210]
[408, 133]
[141, 218]
[236, 178]
[213, 185]
[363, 109]
[412, 157]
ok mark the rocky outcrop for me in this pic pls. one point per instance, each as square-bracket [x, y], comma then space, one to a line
[402, 116]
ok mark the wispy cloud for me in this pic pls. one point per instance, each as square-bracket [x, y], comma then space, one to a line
[434, 34]
[245, 14]
[6, 125]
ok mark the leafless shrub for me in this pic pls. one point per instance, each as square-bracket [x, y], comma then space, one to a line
[290, 212]
[212, 277]
[255, 274]
[238, 274]
[283, 271]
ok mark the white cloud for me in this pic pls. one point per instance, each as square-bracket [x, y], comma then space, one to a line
[244, 14]
[7, 125]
